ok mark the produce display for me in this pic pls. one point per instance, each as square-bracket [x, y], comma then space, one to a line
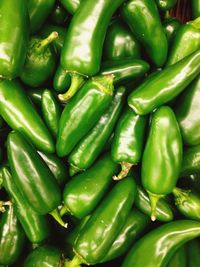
[99, 133]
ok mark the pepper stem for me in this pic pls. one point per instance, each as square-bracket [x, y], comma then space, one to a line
[73, 170]
[3, 204]
[75, 262]
[45, 42]
[180, 195]
[64, 210]
[124, 171]
[57, 217]
[77, 81]
[154, 200]
[195, 23]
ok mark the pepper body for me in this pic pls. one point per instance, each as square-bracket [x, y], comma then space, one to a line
[59, 14]
[191, 161]
[179, 259]
[170, 82]
[61, 80]
[20, 115]
[143, 19]
[35, 96]
[171, 26]
[193, 257]
[169, 237]
[187, 113]
[14, 34]
[195, 8]
[82, 112]
[71, 5]
[165, 4]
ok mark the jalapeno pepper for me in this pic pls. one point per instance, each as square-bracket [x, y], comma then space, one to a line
[18, 112]
[193, 257]
[14, 33]
[143, 19]
[12, 237]
[191, 161]
[61, 80]
[160, 174]
[171, 26]
[161, 243]
[179, 259]
[89, 148]
[186, 110]
[59, 14]
[191, 181]
[165, 4]
[71, 5]
[35, 96]
[82, 112]
[195, 8]
[169, 83]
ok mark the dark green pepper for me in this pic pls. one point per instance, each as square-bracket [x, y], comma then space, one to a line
[14, 33]
[128, 142]
[191, 161]
[143, 19]
[171, 26]
[61, 80]
[40, 61]
[160, 173]
[71, 5]
[35, 95]
[82, 112]
[12, 237]
[90, 147]
[160, 244]
[20, 115]
[179, 259]
[193, 255]
[59, 14]
[191, 181]
[165, 5]
[187, 113]
[195, 8]
[169, 83]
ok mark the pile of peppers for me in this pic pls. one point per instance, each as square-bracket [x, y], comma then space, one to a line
[99, 133]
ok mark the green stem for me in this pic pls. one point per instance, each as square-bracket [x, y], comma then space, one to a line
[40, 47]
[75, 262]
[64, 210]
[154, 200]
[57, 217]
[124, 171]
[180, 195]
[195, 23]
[77, 81]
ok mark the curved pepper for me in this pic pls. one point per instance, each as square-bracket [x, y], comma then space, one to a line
[189, 34]
[195, 8]
[59, 14]
[187, 113]
[40, 61]
[193, 257]
[35, 226]
[161, 243]
[165, 4]
[14, 34]
[61, 80]
[179, 259]
[82, 112]
[143, 19]
[90, 147]
[12, 237]
[20, 115]
[71, 5]
[160, 173]
[83, 193]
[33, 177]
[128, 141]
[170, 82]
[171, 26]
[120, 43]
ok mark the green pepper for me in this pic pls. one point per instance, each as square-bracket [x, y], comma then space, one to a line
[59, 14]
[12, 237]
[128, 142]
[160, 244]
[19, 114]
[44, 256]
[35, 226]
[82, 112]
[61, 80]
[90, 147]
[179, 259]
[188, 203]
[41, 191]
[171, 26]
[193, 256]
[38, 12]
[120, 43]
[160, 173]
[189, 34]
[165, 5]
[195, 8]
[170, 82]
[82, 50]
[104, 225]
[14, 33]
[83, 193]
[51, 111]
[40, 61]
[143, 19]
[35, 96]
[71, 5]
[191, 161]
[191, 181]
[187, 113]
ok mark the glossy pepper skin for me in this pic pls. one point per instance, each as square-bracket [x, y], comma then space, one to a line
[40, 61]
[186, 41]
[193, 257]
[171, 26]
[61, 80]
[83, 193]
[170, 82]
[128, 142]
[179, 258]
[35, 95]
[71, 5]
[90, 147]
[188, 203]
[120, 43]
[59, 14]
[195, 8]
[143, 19]
[169, 237]
[12, 237]
[43, 256]
[105, 223]
[35, 226]
[165, 5]
[159, 174]
[191, 161]
[14, 34]
[51, 111]
[186, 110]
[38, 12]
[20, 115]
[82, 112]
